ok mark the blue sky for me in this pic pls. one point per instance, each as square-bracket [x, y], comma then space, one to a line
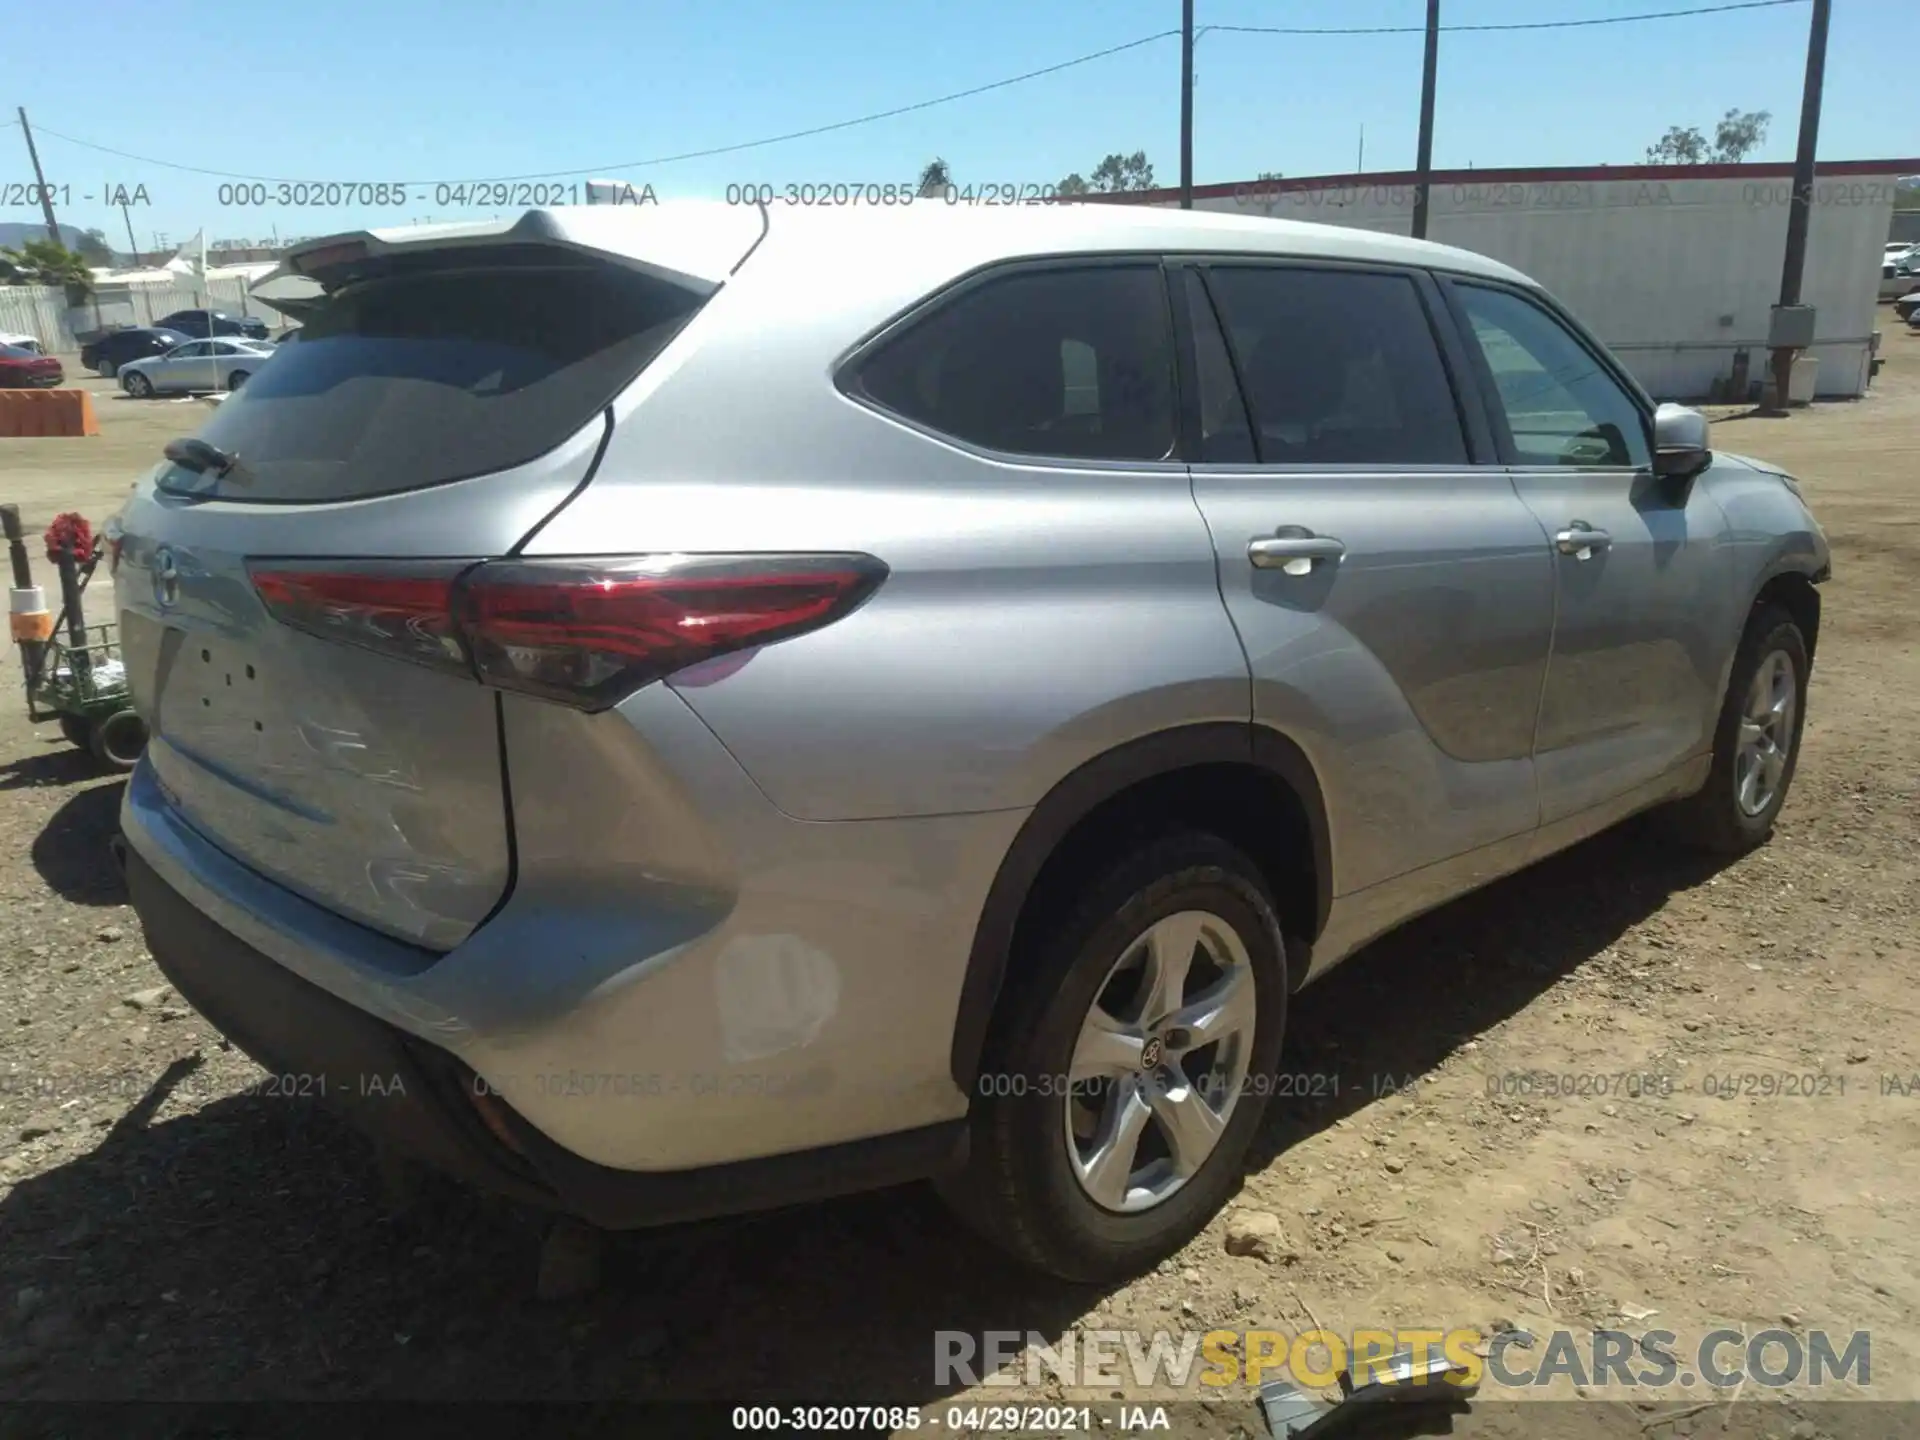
[423, 91]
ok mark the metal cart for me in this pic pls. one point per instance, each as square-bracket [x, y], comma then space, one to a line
[74, 671]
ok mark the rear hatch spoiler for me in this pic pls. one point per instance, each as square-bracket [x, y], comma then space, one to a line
[695, 244]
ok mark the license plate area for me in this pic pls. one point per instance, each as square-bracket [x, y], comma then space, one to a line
[210, 693]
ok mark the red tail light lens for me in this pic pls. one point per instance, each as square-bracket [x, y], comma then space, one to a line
[590, 631]
[399, 608]
[585, 632]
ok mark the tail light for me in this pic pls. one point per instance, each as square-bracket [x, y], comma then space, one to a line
[585, 632]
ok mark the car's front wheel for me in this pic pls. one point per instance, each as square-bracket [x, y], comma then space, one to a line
[1123, 1079]
[1757, 745]
[137, 385]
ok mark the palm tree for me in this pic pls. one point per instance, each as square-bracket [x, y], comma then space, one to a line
[48, 262]
[935, 177]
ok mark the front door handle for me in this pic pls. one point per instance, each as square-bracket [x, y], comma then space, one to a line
[1581, 540]
[1294, 553]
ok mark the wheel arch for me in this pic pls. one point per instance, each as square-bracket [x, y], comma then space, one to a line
[1251, 782]
[1796, 592]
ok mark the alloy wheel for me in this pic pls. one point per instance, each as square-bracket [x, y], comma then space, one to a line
[1766, 733]
[1160, 1061]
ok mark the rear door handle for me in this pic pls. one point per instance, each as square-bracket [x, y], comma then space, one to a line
[1294, 553]
[1581, 540]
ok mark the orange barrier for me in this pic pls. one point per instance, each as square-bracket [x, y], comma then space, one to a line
[47, 412]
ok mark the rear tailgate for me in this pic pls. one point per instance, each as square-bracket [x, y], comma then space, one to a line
[449, 395]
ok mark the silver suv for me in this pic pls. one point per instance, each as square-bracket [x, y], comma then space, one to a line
[683, 709]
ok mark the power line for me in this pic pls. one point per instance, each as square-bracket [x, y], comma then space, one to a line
[615, 168]
[1514, 25]
[684, 155]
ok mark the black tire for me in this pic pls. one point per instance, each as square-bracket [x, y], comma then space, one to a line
[1018, 1188]
[117, 740]
[138, 386]
[108, 369]
[236, 379]
[1714, 819]
[79, 734]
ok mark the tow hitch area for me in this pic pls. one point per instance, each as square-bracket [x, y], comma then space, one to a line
[1434, 1386]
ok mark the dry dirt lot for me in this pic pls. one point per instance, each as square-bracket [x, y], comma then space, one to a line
[167, 1232]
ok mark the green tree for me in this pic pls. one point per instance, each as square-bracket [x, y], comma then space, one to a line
[1737, 136]
[1111, 176]
[935, 176]
[93, 245]
[47, 262]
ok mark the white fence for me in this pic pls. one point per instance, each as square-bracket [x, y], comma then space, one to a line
[43, 310]
[33, 310]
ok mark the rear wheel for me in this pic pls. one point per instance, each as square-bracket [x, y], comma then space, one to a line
[77, 731]
[108, 369]
[137, 385]
[236, 379]
[1757, 745]
[117, 740]
[1120, 1090]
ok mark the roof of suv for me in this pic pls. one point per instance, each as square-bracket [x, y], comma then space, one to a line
[707, 239]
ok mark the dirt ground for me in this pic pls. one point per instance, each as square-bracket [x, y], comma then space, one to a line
[167, 1233]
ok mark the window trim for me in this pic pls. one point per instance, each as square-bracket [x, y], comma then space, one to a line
[846, 379]
[1469, 414]
[1496, 415]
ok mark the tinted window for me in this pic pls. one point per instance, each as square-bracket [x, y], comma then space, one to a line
[1339, 367]
[1560, 404]
[420, 378]
[1224, 432]
[195, 351]
[1068, 363]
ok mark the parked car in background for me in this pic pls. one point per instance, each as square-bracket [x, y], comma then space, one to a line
[200, 324]
[224, 364]
[106, 354]
[1900, 272]
[1908, 304]
[22, 341]
[1111, 619]
[21, 369]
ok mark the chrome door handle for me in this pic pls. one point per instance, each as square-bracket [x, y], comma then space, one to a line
[1283, 551]
[1581, 541]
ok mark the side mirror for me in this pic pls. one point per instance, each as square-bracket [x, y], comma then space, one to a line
[1680, 447]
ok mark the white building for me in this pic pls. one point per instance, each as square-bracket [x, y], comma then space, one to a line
[1676, 267]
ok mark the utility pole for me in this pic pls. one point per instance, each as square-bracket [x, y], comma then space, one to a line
[1186, 104]
[1361, 164]
[1423, 163]
[132, 244]
[46, 195]
[1792, 327]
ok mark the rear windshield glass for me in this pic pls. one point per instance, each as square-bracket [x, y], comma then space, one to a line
[434, 376]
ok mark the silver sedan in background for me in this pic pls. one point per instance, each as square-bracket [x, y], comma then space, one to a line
[225, 363]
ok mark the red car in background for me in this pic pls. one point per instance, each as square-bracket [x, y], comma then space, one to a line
[22, 369]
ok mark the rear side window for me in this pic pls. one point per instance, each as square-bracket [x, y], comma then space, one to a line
[1073, 364]
[425, 377]
[1340, 367]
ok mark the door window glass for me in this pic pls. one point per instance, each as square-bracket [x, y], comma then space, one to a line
[1559, 402]
[1340, 367]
